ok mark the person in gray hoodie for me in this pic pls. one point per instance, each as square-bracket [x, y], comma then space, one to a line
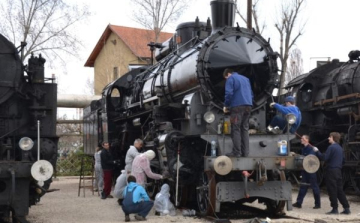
[132, 152]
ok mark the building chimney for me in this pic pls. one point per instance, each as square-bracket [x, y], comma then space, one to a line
[222, 14]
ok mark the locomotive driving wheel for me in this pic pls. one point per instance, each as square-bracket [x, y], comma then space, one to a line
[205, 193]
[152, 186]
[276, 207]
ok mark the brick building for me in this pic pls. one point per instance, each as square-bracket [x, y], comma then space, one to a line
[118, 50]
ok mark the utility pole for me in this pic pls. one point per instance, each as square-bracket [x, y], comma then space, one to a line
[249, 14]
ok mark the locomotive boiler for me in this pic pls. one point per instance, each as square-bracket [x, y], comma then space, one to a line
[28, 142]
[329, 100]
[175, 106]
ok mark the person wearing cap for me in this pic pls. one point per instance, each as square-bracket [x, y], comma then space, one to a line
[289, 108]
[238, 101]
[141, 168]
[132, 152]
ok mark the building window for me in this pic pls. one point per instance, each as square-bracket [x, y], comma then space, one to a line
[115, 74]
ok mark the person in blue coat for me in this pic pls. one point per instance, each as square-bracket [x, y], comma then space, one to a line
[238, 101]
[136, 200]
[280, 120]
[334, 158]
[308, 178]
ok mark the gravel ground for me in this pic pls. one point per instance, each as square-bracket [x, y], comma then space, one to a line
[64, 206]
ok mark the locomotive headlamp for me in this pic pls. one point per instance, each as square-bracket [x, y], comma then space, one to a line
[209, 117]
[26, 143]
[291, 118]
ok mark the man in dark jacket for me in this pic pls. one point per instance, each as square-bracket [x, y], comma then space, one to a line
[107, 164]
[238, 99]
[308, 178]
[136, 201]
[280, 121]
[334, 158]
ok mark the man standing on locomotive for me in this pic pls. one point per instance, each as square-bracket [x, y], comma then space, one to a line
[334, 159]
[238, 98]
[280, 121]
[308, 178]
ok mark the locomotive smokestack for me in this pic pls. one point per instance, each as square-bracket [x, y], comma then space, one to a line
[222, 14]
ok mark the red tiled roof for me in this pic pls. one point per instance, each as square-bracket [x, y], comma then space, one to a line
[136, 39]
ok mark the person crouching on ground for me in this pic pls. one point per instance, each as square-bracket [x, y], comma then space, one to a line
[136, 201]
[120, 186]
[162, 202]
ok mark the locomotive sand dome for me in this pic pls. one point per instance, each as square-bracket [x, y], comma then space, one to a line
[175, 106]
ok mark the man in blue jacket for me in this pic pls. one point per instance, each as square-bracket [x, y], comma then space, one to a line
[136, 201]
[238, 99]
[280, 121]
[334, 158]
[308, 178]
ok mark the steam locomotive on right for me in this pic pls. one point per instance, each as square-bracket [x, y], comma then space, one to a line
[329, 99]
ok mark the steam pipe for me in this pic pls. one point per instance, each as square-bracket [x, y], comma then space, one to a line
[177, 174]
[12, 171]
[38, 139]
[75, 101]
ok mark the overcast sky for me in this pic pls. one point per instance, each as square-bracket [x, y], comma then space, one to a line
[331, 31]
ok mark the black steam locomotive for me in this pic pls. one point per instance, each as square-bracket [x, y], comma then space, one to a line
[329, 100]
[28, 142]
[175, 106]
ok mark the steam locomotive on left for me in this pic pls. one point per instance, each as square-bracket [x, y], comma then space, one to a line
[28, 141]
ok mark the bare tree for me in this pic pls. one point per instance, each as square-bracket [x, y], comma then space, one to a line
[156, 14]
[286, 26]
[295, 65]
[255, 15]
[46, 26]
[89, 87]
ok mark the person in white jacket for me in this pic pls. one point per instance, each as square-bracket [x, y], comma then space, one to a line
[120, 186]
[99, 180]
[132, 152]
